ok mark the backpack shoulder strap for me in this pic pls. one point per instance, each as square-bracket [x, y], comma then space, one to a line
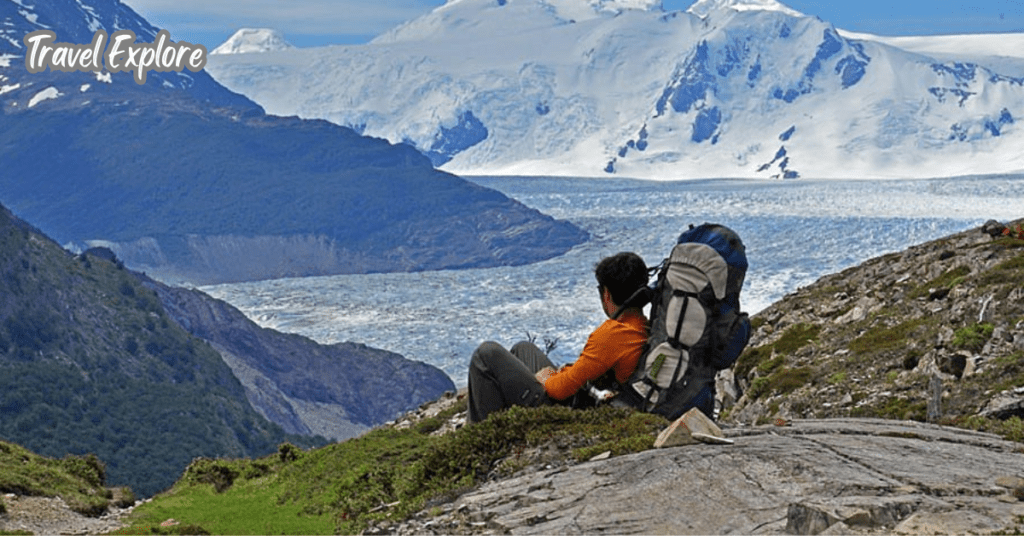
[640, 298]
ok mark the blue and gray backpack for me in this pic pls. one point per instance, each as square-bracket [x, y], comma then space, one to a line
[697, 328]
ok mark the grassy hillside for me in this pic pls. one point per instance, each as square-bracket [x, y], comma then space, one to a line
[79, 480]
[386, 474]
[91, 363]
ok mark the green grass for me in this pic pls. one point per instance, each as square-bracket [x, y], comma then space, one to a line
[250, 507]
[897, 408]
[973, 337]
[882, 339]
[783, 381]
[1011, 429]
[761, 357]
[948, 279]
[79, 480]
[384, 474]
[769, 360]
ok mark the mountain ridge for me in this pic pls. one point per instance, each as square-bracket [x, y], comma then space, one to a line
[98, 359]
[652, 94]
[91, 363]
[194, 183]
[336, 391]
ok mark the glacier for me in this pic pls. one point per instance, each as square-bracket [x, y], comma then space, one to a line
[795, 233]
[626, 89]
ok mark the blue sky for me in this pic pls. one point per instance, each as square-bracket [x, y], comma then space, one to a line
[321, 22]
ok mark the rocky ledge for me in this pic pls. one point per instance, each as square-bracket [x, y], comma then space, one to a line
[829, 476]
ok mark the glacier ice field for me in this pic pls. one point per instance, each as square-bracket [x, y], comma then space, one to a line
[795, 232]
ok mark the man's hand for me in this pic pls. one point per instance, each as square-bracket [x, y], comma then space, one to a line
[543, 374]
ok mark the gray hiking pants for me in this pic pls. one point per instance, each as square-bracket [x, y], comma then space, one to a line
[500, 378]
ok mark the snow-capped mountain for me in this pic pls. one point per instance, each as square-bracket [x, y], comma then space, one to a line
[250, 40]
[191, 182]
[729, 88]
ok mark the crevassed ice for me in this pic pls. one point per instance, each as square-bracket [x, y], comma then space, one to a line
[795, 232]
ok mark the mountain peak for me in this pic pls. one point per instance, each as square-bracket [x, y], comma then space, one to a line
[248, 40]
[703, 8]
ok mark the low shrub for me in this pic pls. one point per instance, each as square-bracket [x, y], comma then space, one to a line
[972, 337]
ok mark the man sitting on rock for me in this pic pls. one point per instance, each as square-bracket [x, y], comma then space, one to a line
[524, 376]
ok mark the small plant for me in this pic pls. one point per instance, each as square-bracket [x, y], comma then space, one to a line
[783, 381]
[287, 452]
[89, 468]
[758, 387]
[549, 343]
[219, 473]
[973, 337]
[947, 280]
[794, 338]
[1016, 232]
[771, 365]
[837, 378]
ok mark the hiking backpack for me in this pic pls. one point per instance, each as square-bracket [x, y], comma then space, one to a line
[697, 328]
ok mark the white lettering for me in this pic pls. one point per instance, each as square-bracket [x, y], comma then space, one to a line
[197, 60]
[35, 61]
[167, 55]
[115, 50]
[122, 54]
[62, 56]
[97, 50]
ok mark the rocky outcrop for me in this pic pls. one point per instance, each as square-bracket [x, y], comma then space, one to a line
[336, 391]
[935, 333]
[836, 476]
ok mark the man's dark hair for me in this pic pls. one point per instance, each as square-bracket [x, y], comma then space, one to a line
[622, 274]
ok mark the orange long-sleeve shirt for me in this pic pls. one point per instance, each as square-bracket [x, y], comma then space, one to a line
[614, 345]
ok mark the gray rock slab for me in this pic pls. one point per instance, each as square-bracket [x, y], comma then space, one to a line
[855, 476]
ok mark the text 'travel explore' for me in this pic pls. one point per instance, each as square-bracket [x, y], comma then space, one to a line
[121, 53]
